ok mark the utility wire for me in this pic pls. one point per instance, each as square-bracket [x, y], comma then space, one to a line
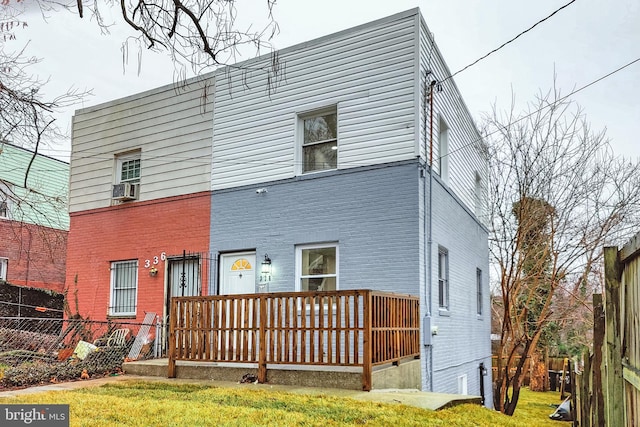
[238, 161]
[551, 104]
[509, 41]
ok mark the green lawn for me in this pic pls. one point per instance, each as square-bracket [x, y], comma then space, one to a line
[134, 403]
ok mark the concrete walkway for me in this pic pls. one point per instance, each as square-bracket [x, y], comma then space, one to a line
[415, 398]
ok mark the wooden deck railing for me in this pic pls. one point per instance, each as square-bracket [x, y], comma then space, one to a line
[342, 328]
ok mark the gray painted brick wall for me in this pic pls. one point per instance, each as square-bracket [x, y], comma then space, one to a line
[371, 212]
[463, 339]
[375, 214]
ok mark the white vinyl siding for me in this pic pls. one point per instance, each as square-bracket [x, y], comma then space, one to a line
[170, 125]
[367, 72]
[466, 148]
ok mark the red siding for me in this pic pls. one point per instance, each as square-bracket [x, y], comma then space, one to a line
[137, 230]
[36, 254]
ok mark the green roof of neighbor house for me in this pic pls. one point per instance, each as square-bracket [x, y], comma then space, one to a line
[43, 201]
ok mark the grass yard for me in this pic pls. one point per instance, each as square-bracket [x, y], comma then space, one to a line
[134, 403]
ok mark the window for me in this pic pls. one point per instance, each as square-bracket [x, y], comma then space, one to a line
[124, 287]
[479, 291]
[320, 141]
[443, 150]
[317, 267]
[128, 167]
[4, 264]
[5, 200]
[443, 278]
[478, 195]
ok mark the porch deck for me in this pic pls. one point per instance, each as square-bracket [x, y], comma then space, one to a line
[350, 333]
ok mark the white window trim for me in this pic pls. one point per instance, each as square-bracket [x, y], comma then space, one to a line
[478, 195]
[125, 157]
[5, 192]
[298, 260]
[299, 136]
[4, 267]
[4, 209]
[443, 150]
[479, 293]
[447, 285]
[112, 290]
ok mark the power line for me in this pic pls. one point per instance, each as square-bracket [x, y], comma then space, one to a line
[509, 41]
[553, 103]
[238, 161]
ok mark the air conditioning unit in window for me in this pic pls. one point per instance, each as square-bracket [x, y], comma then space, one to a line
[125, 191]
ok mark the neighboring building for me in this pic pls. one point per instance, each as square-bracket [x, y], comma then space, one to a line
[327, 173]
[33, 218]
[139, 196]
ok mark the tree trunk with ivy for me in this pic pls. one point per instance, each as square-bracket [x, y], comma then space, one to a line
[558, 195]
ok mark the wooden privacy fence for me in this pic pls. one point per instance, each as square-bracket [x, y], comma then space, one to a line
[609, 387]
[360, 328]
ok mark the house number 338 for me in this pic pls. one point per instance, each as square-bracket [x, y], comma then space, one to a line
[155, 261]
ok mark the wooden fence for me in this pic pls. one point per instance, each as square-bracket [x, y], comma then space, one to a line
[609, 387]
[343, 328]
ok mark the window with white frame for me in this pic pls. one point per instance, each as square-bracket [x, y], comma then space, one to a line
[128, 167]
[5, 199]
[317, 267]
[320, 140]
[443, 278]
[479, 200]
[479, 291]
[124, 288]
[4, 266]
[443, 150]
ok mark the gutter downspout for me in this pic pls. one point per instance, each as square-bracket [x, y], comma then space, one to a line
[430, 234]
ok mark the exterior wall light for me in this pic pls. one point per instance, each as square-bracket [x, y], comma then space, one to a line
[265, 274]
[266, 266]
[153, 271]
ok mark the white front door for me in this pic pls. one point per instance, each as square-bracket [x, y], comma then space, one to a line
[237, 274]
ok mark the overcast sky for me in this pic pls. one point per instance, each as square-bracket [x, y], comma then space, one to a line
[582, 43]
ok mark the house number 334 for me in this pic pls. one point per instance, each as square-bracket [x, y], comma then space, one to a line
[155, 261]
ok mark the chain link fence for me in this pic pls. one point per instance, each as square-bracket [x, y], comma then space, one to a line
[37, 350]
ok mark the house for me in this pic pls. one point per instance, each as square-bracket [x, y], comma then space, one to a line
[33, 218]
[139, 197]
[351, 171]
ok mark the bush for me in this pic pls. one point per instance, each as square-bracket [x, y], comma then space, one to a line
[28, 374]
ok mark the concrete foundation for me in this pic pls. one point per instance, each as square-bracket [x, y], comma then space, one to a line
[404, 376]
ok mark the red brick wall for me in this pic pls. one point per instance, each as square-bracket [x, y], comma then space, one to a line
[36, 254]
[136, 230]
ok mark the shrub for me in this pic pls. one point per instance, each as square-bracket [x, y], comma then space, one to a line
[28, 374]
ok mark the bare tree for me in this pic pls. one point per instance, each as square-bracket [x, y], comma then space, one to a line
[28, 117]
[196, 34]
[559, 194]
[200, 34]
